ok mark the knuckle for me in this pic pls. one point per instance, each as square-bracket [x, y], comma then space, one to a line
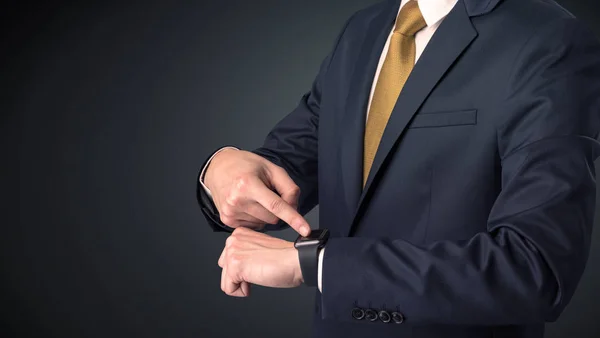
[296, 220]
[278, 169]
[234, 261]
[276, 205]
[239, 230]
[227, 220]
[229, 257]
[230, 242]
[226, 211]
[241, 183]
[233, 199]
[295, 190]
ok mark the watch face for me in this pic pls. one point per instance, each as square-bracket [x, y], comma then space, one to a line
[315, 237]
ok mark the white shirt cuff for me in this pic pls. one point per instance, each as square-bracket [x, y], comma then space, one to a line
[320, 270]
[206, 166]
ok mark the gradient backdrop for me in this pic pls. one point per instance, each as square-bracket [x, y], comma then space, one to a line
[108, 110]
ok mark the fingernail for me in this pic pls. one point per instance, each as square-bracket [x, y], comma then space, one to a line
[305, 231]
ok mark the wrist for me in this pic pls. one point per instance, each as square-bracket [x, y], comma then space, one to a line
[208, 174]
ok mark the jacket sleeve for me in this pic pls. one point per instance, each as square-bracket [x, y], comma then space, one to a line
[526, 266]
[293, 145]
[207, 206]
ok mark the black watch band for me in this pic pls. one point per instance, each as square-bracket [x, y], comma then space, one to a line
[309, 264]
[308, 254]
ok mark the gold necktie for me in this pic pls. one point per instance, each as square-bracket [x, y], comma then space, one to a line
[398, 64]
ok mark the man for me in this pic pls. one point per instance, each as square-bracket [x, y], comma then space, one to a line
[450, 146]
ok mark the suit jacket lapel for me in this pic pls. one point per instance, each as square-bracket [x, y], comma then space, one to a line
[353, 122]
[453, 36]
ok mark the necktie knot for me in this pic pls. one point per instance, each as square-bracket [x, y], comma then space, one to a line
[410, 19]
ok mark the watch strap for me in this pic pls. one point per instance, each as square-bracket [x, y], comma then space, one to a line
[309, 263]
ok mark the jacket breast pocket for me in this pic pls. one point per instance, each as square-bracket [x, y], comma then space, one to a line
[444, 118]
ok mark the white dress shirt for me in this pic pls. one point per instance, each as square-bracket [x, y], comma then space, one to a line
[434, 11]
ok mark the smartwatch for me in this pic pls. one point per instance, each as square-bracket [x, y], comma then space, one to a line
[308, 253]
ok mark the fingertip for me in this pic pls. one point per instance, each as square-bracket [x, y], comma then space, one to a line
[304, 230]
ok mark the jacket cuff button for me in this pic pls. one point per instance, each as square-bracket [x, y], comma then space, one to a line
[397, 318]
[371, 315]
[358, 313]
[385, 316]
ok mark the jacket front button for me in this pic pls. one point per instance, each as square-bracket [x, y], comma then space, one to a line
[371, 315]
[358, 313]
[397, 317]
[384, 316]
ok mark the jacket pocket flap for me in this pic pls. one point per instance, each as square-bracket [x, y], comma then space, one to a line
[444, 118]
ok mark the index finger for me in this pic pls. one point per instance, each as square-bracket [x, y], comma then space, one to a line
[280, 208]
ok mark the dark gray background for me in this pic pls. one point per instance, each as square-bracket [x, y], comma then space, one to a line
[108, 110]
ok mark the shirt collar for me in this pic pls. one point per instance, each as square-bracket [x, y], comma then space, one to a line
[433, 10]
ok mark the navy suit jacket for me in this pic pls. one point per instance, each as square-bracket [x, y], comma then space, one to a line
[477, 214]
